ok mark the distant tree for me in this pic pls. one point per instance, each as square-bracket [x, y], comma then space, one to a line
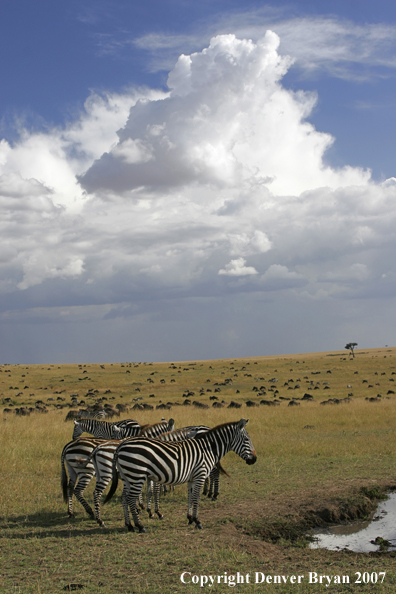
[351, 347]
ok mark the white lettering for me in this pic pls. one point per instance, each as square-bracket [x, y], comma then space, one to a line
[182, 577]
[260, 577]
[313, 577]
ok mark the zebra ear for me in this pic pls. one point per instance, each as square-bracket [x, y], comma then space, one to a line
[242, 423]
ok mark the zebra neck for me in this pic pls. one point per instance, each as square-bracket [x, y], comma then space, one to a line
[218, 445]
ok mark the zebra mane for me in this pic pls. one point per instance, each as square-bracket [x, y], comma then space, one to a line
[214, 430]
[149, 428]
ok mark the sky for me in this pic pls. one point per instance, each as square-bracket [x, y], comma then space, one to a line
[183, 180]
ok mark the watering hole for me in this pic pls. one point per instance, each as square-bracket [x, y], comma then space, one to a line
[377, 533]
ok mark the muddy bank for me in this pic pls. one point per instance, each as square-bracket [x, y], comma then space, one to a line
[290, 520]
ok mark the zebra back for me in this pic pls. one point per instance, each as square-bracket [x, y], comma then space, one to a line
[100, 429]
[154, 431]
[177, 435]
[129, 428]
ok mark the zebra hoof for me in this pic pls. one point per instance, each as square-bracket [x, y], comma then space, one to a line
[214, 498]
[130, 528]
[142, 529]
[198, 525]
[160, 516]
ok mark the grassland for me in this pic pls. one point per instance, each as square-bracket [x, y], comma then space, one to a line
[316, 464]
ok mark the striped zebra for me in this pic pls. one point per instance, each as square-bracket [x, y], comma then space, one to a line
[157, 429]
[99, 462]
[212, 482]
[188, 461]
[73, 455]
[106, 430]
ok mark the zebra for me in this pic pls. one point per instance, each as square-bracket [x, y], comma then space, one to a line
[104, 429]
[157, 429]
[100, 458]
[212, 482]
[188, 461]
[74, 453]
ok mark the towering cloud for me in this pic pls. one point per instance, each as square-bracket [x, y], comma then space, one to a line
[218, 186]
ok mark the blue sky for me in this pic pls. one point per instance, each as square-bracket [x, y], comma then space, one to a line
[176, 183]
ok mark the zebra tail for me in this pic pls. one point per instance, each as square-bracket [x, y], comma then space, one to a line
[221, 469]
[84, 463]
[114, 483]
[64, 479]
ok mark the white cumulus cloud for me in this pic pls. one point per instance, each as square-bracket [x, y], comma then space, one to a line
[215, 188]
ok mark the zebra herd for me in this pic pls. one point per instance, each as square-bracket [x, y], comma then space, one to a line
[157, 453]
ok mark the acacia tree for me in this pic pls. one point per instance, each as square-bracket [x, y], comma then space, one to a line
[351, 347]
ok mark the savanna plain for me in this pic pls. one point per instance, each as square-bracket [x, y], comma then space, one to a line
[318, 464]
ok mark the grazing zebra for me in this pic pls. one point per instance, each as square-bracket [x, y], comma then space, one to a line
[106, 430]
[73, 455]
[189, 461]
[129, 428]
[99, 429]
[100, 461]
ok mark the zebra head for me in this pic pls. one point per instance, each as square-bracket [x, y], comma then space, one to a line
[242, 444]
[78, 430]
[117, 432]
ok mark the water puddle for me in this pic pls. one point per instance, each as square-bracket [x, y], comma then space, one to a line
[378, 533]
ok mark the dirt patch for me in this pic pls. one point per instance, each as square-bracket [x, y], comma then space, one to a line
[268, 528]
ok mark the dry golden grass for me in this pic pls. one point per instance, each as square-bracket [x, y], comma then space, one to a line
[308, 456]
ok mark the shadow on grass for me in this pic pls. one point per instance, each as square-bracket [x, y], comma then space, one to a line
[50, 525]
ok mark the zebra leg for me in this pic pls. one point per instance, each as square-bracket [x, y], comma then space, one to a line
[206, 487]
[195, 495]
[141, 502]
[73, 477]
[190, 492]
[124, 499]
[97, 494]
[82, 484]
[132, 498]
[214, 483]
[157, 490]
[70, 490]
[149, 495]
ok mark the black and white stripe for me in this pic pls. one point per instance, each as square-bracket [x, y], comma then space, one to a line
[166, 463]
[74, 458]
[100, 461]
[106, 430]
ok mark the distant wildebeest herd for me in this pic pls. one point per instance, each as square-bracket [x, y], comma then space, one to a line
[158, 454]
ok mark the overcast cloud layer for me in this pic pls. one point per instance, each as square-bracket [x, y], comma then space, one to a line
[203, 220]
